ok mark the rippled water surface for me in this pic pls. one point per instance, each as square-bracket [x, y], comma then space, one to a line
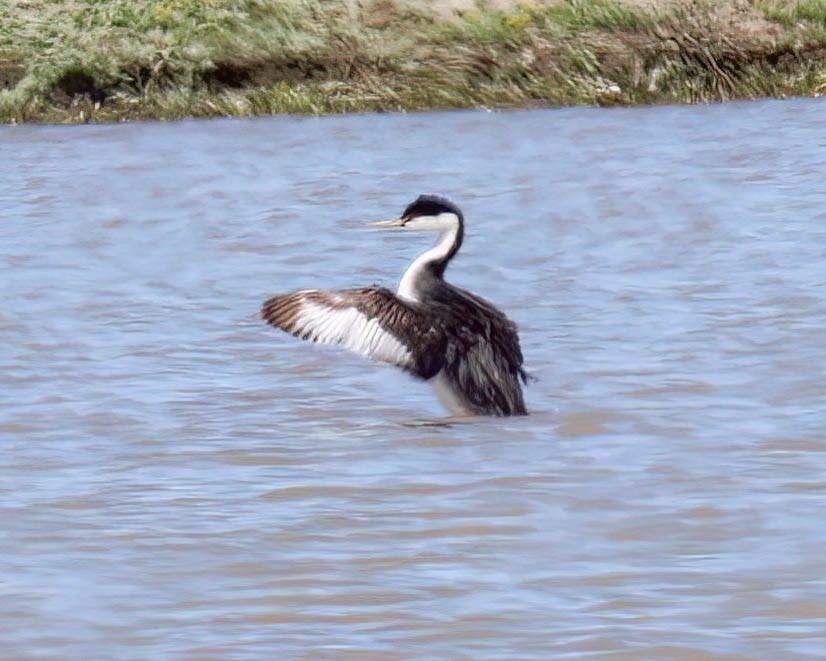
[179, 481]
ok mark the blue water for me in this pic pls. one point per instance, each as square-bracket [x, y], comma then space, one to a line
[180, 481]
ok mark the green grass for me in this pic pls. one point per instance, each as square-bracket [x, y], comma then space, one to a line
[111, 60]
[790, 13]
[601, 15]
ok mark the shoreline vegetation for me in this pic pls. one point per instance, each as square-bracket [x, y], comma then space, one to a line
[69, 61]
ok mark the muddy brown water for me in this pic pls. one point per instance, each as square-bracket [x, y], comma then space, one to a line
[178, 481]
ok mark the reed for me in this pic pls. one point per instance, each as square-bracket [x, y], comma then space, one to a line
[112, 60]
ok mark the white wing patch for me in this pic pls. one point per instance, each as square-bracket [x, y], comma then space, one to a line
[351, 329]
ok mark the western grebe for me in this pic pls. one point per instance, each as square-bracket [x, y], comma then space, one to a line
[450, 337]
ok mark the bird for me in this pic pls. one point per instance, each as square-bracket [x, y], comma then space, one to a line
[466, 348]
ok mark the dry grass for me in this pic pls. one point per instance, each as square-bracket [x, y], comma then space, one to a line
[108, 60]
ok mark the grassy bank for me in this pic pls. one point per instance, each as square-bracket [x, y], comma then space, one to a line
[108, 60]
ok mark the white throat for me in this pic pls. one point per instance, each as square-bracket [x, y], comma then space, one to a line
[407, 285]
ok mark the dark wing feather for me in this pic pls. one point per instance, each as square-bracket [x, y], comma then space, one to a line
[371, 321]
[483, 358]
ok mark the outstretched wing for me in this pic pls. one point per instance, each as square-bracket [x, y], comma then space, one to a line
[371, 321]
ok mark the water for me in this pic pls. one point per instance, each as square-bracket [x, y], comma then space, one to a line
[179, 481]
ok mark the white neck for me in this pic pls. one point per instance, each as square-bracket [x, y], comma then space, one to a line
[407, 285]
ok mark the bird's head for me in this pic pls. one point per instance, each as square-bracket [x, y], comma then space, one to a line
[427, 212]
